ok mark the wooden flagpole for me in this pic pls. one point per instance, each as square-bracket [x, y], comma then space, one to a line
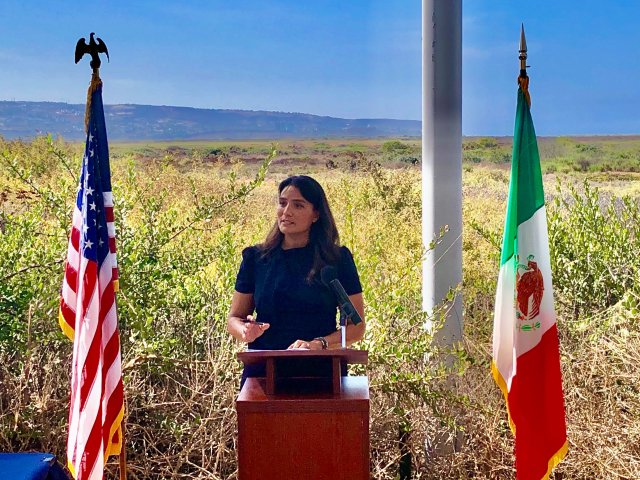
[123, 453]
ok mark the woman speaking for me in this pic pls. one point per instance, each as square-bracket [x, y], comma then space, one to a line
[280, 300]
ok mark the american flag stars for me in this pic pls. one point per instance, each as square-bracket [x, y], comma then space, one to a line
[94, 242]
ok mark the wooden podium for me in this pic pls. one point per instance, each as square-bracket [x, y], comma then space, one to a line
[304, 420]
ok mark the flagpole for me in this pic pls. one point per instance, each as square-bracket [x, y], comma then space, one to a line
[523, 53]
[523, 78]
[442, 164]
[526, 356]
[442, 183]
[123, 452]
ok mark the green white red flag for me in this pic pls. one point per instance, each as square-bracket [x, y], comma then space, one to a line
[526, 357]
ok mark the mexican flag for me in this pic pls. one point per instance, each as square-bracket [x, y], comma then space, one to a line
[526, 358]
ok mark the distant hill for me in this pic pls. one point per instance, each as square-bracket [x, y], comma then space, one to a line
[147, 122]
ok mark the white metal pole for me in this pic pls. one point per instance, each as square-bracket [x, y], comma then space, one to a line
[442, 159]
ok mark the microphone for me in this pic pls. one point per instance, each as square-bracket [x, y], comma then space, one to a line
[329, 277]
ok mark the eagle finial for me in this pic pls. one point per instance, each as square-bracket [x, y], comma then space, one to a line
[93, 48]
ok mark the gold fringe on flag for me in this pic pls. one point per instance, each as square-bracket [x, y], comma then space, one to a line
[93, 86]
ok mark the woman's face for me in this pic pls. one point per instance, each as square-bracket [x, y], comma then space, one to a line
[295, 214]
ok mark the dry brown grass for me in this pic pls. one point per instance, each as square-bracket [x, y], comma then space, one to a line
[181, 419]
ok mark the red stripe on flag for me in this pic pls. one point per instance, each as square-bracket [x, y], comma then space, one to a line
[68, 314]
[90, 369]
[116, 400]
[114, 406]
[111, 350]
[536, 405]
[108, 212]
[74, 238]
[92, 448]
[112, 244]
[89, 281]
[106, 301]
[71, 276]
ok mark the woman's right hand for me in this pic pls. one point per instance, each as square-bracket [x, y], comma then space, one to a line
[251, 329]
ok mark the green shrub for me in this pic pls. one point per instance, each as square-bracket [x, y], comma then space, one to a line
[594, 242]
[396, 147]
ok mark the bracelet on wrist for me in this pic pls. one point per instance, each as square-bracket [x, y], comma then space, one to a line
[323, 342]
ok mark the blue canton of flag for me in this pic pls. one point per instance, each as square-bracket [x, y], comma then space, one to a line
[94, 241]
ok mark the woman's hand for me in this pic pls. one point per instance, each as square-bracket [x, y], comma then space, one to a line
[251, 329]
[306, 345]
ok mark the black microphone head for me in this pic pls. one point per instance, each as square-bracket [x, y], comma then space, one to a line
[327, 274]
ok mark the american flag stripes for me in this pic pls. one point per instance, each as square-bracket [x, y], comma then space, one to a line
[88, 310]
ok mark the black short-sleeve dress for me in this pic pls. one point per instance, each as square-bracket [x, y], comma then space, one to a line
[294, 307]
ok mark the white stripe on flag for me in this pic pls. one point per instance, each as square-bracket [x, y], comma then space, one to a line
[73, 257]
[76, 220]
[69, 296]
[104, 275]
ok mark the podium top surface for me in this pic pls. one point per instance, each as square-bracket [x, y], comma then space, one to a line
[350, 356]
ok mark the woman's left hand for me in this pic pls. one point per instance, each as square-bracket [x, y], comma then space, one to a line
[306, 345]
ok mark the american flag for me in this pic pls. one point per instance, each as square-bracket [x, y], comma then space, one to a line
[88, 310]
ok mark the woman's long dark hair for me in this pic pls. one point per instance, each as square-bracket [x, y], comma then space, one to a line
[323, 236]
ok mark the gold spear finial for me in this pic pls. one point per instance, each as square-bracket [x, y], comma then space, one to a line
[523, 78]
[523, 52]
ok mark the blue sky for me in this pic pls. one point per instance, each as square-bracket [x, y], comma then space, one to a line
[345, 58]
